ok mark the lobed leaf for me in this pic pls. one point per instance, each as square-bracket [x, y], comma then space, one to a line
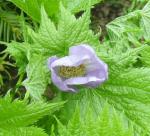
[24, 131]
[50, 41]
[18, 114]
[107, 123]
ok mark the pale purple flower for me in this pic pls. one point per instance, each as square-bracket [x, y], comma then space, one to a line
[81, 67]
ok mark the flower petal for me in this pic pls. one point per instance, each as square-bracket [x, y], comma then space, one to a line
[94, 62]
[56, 79]
[84, 81]
[81, 50]
[60, 83]
[94, 66]
[70, 61]
[97, 68]
[51, 60]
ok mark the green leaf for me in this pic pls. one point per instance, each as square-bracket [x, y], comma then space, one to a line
[107, 123]
[19, 52]
[37, 76]
[133, 26]
[126, 27]
[51, 41]
[129, 93]
[32, 7]
[145, 21]
[126, 91]
[145, 56]
[120, 54]
[23, 131]
[19, 114]
[70, 31]
[79, 5]
[10, 26]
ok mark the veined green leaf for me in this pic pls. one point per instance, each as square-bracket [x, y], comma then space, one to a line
[129, 93]
[126, 91]
[19, 51]
[70, 31]
[37, 76]
[145, 21]
[32, 7]
[134, 26]
[145, 56]
[79, 5]
[107, 123]
[51, 41]
[18, 114]
[126, 27]
[23, 131]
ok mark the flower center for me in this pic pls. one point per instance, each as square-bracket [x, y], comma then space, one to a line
[68, 72]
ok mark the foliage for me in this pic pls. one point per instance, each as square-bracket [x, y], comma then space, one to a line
[10, 29]
[145, 57]
[9, 23]
[99, 126]
[24, 131]
[133, 26]
[17, 117]
[32, 7]
[130, 94]
[125, 50]
[78, 5]
[4, 65]
[50, 41]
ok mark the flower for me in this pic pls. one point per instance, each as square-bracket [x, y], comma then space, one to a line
[81, 67]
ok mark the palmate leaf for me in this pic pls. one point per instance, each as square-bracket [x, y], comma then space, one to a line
[70, 31]
[38, 76]
[145, 57]
[126, 91]
[129, 93]
[134, 26]
[19, 52]
[145, 20]
[107, 123]
[127, 26]
[49, 41]
[18, 114]
[32, 7]
[120, 53]
[23, 131]
[79, 5]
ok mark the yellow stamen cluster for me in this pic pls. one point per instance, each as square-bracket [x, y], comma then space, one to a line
[68, 72]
